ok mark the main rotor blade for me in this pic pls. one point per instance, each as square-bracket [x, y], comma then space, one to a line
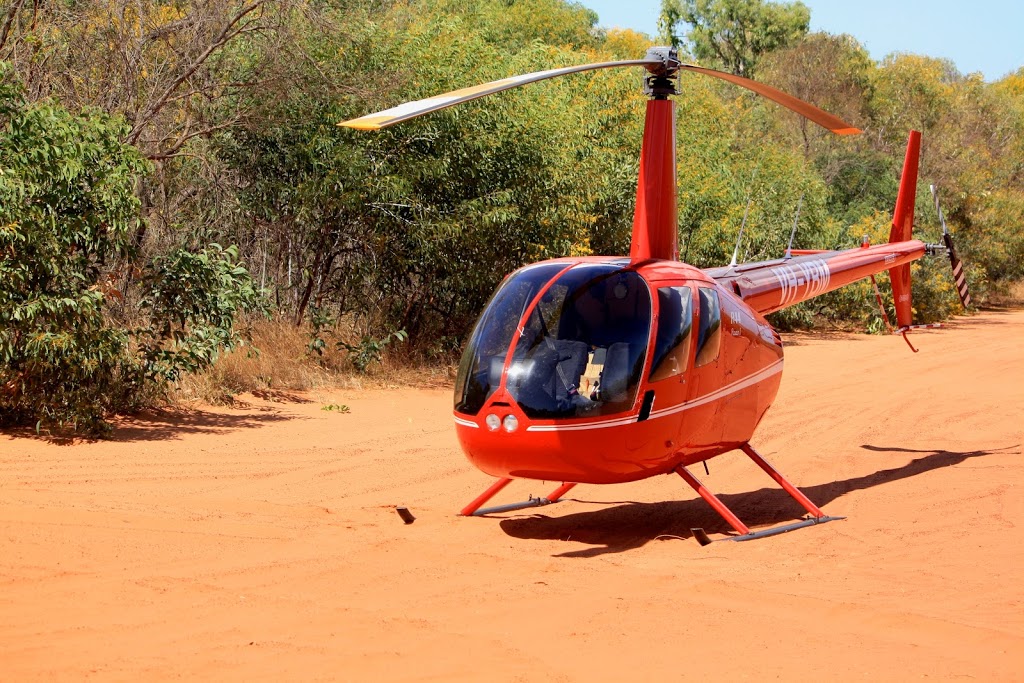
[809, 111]
[659, 61]
[404, 112]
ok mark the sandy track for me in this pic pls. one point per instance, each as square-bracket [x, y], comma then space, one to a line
[262, 543]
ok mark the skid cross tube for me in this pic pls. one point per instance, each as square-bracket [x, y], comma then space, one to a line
[474, 509]
[745, 534]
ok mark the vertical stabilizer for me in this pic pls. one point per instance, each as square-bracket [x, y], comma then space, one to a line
[902, 227]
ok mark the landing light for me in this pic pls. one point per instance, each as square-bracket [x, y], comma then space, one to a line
[493, 422]
[511, 423]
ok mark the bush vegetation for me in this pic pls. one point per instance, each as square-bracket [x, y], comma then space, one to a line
[138, 137]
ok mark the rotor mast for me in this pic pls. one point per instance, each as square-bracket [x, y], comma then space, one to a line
[654, 219]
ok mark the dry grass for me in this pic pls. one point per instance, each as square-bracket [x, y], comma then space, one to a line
[1011, 297]
[279, 359]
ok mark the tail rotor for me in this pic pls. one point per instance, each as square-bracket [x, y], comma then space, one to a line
[959, 276]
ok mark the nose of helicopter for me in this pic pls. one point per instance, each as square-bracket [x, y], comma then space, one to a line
[553, 395]
[504, 442]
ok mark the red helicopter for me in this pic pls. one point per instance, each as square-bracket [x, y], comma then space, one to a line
[603, 370]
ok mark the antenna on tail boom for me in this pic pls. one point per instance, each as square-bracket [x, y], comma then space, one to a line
[739, 238]
[796, 220]
[746, 212]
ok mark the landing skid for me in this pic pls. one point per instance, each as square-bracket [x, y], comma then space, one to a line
[474, 509]
[745, 534]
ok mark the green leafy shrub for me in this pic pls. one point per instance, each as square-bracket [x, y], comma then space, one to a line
[67, 212]
[192, 300]
[68, 216]
[369, 350]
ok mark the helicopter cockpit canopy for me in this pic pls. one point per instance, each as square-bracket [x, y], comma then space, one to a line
[579, 344]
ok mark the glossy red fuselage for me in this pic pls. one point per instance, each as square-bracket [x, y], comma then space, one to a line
[704, 408]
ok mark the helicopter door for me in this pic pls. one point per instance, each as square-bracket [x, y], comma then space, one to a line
[673, 346]
[702, 428]
[709, 327]
[673, 339]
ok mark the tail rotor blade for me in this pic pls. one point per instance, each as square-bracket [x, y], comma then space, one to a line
[959, 277]
[958, 271]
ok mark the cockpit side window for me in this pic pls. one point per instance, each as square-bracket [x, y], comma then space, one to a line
[672, 341]
[709, 335]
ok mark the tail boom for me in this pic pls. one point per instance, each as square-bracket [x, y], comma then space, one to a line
[774, 285]
[769, 286]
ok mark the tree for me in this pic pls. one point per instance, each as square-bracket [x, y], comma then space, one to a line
[159, 65]
[733, 33]
[412, 227]
[911, 92]
[832, 72]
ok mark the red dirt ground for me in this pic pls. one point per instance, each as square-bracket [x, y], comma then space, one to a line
[261, 542]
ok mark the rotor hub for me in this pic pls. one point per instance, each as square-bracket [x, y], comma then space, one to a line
[668, 58]
[664, 72]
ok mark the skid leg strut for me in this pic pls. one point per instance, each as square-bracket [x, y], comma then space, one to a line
[713, 501]
[745, 534]
[485, 496]
[793, 491]
[474, 509]
[557, 494]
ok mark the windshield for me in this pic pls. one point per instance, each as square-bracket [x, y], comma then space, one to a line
[582, 349]
[484, 357]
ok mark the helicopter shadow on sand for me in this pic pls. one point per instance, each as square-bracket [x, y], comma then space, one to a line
[620, 526]
[995, 318]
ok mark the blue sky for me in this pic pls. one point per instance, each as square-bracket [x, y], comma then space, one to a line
[977, 35]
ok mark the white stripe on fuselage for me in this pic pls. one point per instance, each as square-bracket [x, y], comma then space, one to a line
[732, 388]
[589, 425]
